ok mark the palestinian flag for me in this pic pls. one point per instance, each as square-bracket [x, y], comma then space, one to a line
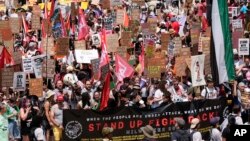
[222, 41]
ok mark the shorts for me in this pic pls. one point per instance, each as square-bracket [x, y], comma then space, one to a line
[57, 133]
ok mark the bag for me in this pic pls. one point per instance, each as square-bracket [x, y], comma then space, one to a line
[191, 135]
[32, 134]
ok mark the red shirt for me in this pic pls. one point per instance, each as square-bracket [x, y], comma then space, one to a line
[176, 26]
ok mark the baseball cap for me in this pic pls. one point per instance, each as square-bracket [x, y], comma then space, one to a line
[194, 123]
[60, 98]
[107, 130]
[181, 122]
[214, 120]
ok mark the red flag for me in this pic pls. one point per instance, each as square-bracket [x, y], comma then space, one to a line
[5, 58]
[105, 92]
[83, 27]
[126, 19]
[122, 68]
[52, 8]
[44, 33]
[25, 26]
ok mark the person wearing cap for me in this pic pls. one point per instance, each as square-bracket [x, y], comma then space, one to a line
[215, 133]
[180, 133]
[149, 133]
[195, 135]
[107, 133]
[56, 117]
[3, 123]
[49, 98]
[209, 92]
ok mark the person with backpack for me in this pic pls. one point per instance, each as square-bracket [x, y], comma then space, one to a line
[226, 132]
[37, 133]
[195, 135]
[180, 134]
[215, 133]
[209, 92]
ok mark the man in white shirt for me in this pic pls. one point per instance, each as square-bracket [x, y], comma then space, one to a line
[209, 92]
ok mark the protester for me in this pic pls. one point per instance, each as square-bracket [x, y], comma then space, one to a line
[215, 133]
[195, 135]
[180, 132]
[3, 123]
[149, 133]
[107, 133]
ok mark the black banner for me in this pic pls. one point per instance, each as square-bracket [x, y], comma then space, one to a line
[87, 125]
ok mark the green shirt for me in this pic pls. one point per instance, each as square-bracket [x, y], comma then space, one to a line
[3, 128]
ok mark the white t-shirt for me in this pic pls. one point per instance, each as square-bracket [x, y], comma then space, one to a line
[209, 93]
[158, 95]
[39, 134]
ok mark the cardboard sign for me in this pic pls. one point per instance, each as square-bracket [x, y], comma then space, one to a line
[80, 45]
[37, 64]
[185, 51]
[105, 4]
[48, 68]
[153, 68]
[122, 51]
[96, 39]
[120, 16]
[14, 25]
[62, 47]
[108, 23]
[116, 3]
[36, 87]
[27, 65]
[243, 46]
[104, 71]
[17, 56]
[47, 26]
[36, 24]
[7, 77]
[6, 34]
[9, 46]
[36, 10]
[95, 66]
[207, 65]
[165, 40]
[237, 24]
[19, 82]
[195, 33]
[48, 46]
[139, 2]
[150, 50]
[134, 27]
[126, 38]
[112, 42]
[236, 35]
[85, 56]
[205, 45]
[181, 66]
[177, 46]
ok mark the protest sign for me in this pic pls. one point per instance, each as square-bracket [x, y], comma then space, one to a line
[150, 50]
[135, 14]
[205, 45]
[153, 68]
[27, 65]
[104, 72]
[197, 69]
[36, 10]
[185, 51]
[122, 51]
[116, 3]
[127, 121]
[126, 38]
[19, 82]
[95, 2]
[6, 34]
[108, 23]
[207, 65]
[134, 26]
[14, 25]
[4, 24]
[9, 46]
[177, 46]
[105, 4]
[120, 16]
[95, 66]
[243, 46]
[112, 42]
[139, 2]
[188, 62]
[7, 77]
[17, 56]
[47, 26]
[36, 24]
[165, 40]
[62, 47]
[237, 23]
[195, 33]
[48, 68]
[36, 87]
[236, 35]
[48, 46]
[85, 56]
[80, 45]
[37, 64]
[180, 66]
[96, 39]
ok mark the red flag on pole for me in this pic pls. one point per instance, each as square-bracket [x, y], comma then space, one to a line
[83, 28]
[25, 26]
[105, 92]
[52, 8]
[126, 20]
[5, 58]
[122, 68]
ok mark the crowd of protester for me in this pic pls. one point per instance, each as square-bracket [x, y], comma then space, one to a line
[26, 117]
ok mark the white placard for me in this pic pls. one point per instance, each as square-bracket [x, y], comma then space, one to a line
[37, 64]
[85, 56]
[237, 23]
[96, 39]
[27, 65]
[243, 48]
[197, 70]
[19, 81]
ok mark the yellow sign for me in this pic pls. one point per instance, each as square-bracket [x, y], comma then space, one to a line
[84, 5]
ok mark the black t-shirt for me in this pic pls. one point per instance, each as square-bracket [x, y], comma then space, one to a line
[226, 134]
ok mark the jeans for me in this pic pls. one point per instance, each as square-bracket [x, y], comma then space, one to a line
[14, 129]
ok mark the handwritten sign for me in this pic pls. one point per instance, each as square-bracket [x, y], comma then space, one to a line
[108, 23]
[6, 34]
[48, 68]
[180, 66]
[48, 46]
[80, 45]
[243, 46]
[112, 42]
[122, 51]
[153, 68]
[237, 23]
[177, 45]
[7, 77]
[47, 26]
[17, 56]
[14, 25]
[205, 45]
[95, 66]
[36, 10]
[27, 65]
[120, 16]
[135, 14]
[165, 40]
[36, 22]
[126, 38]
[62, 47]
[195, 33]
[185, 51]
[150, 50]
[36, 87]
[85, 56]
[19, 82]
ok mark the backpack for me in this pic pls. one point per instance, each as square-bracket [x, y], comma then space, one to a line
[191, 135]
[183, 137]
